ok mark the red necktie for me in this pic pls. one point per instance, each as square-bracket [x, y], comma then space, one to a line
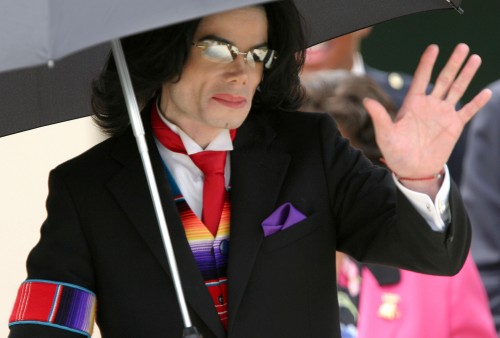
[211, 163]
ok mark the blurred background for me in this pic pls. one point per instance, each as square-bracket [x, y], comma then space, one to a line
[397, 44]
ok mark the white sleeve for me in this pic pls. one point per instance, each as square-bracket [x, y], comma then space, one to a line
[436, 213]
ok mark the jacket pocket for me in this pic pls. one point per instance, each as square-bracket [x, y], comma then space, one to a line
[292, 234]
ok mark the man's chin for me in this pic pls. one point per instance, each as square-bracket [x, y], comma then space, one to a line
[234, 122]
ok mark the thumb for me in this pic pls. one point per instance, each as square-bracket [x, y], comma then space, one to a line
[380, 117]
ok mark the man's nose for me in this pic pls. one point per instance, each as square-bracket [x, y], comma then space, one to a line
[239, 69]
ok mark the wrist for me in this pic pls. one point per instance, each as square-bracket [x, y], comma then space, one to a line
[429, 187]
[435, 177]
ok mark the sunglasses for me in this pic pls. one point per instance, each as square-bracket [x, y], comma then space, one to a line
[222, 52]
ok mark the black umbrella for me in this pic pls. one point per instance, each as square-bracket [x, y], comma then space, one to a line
[46, 87]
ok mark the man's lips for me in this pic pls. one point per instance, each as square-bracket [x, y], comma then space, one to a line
[229, 100]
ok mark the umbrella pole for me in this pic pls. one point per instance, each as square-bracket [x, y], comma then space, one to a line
[138, 129]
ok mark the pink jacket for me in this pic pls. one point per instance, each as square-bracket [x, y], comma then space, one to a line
[423, 306]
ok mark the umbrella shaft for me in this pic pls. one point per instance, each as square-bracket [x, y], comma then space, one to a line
[138, 129]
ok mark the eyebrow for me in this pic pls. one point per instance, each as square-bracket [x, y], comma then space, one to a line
[220, 39]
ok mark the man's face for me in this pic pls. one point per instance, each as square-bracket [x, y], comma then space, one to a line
[210, 96]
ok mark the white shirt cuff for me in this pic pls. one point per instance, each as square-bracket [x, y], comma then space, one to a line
[437, 213]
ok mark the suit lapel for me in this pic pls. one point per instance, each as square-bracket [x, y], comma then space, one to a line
[257, 174]
[132, 193]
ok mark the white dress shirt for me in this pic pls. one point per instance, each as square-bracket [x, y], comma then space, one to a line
[187, 175]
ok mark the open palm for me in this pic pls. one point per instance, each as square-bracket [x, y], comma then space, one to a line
[419, 142]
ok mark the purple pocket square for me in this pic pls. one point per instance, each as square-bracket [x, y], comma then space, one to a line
[283, 217]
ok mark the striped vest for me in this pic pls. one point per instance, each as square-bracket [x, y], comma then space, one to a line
[210, 253]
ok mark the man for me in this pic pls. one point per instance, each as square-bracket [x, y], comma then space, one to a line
[344, 52]
[295, 191]
[481, 191]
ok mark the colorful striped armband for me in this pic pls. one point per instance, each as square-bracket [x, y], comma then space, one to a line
[60, 305]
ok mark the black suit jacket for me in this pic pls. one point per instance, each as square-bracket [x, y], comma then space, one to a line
[101, 234]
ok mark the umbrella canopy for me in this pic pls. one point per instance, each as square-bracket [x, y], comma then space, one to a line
[40, 96]
[41, 32]
[35, 32]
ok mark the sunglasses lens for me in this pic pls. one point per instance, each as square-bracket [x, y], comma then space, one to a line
[225, 53]
[250, 59]
[264, 55]
[218, 53]
[259, 54]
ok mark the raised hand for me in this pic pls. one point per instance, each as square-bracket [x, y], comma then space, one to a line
[419, 142]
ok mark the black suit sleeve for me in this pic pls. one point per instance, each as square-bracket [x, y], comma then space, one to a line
[61, 256]
[377, 224]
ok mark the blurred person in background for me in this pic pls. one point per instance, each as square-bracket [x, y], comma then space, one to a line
[481, 193]
[378, 301]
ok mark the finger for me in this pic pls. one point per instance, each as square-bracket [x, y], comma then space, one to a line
[463, 80]
[380, 117]
[423, 73]
[478, 102]
[450, 70]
